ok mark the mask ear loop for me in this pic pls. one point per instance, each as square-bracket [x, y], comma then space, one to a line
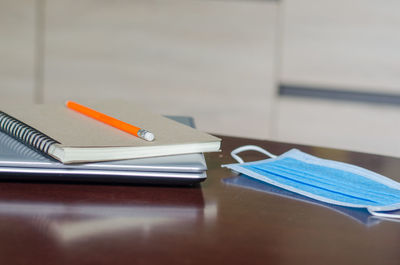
[249, 148]
[384, 215]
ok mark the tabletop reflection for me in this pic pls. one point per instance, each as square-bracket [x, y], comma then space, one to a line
[72, 213]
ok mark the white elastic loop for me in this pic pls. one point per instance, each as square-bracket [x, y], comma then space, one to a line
[249, 148]
[384, 215]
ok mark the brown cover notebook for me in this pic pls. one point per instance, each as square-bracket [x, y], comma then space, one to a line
[72, 137]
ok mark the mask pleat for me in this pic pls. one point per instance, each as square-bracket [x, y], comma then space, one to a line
[336, 178]
[290, 180]
[350, 191]
[324, 172]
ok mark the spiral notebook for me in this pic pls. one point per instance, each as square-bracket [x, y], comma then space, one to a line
[71, 137]
[19, 162]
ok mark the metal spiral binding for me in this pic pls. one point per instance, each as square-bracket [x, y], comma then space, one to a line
[11, 145]
[25, 133]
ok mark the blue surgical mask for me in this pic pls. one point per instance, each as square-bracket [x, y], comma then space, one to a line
[324, 180]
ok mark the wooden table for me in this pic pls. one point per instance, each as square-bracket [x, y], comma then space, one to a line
[225, 220]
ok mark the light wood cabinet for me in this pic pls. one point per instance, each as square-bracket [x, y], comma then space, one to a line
[17, 46]
[341, 44]
[371, 128]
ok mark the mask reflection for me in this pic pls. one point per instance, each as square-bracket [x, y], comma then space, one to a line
[360, 215]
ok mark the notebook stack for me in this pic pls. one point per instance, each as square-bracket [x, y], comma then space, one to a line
[54, 143]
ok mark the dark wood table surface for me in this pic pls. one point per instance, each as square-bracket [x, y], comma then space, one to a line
[228, 219]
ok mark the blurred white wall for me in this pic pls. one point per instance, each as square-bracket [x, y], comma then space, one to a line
[220, 62]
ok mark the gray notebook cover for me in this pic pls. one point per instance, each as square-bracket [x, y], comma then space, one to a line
[18, 161]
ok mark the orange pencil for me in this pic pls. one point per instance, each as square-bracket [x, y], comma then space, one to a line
[126, 127]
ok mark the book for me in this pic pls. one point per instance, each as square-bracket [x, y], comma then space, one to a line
[18, 162]
[71, 137]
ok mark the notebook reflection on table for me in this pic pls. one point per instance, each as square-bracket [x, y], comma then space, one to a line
[71, 213]
[19, 162]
